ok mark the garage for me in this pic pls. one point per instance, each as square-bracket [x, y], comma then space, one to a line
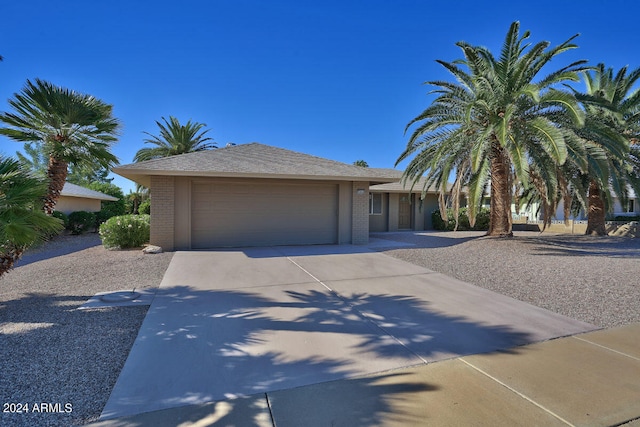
[255, 195]
[227, 213]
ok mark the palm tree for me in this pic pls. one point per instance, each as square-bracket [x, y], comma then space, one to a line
[22, 221]
[72, 128]
[361, 163]
[492, 124]
[611, 123]
[175, 139]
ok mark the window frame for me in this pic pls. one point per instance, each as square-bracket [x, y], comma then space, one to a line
[372, 203]
[631, 206]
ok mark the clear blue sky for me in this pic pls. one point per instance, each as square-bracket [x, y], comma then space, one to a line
[336, 79]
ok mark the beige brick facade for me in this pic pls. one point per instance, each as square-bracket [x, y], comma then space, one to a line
[163, 212]
[360, 213]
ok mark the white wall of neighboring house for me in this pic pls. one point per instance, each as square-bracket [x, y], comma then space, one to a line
[534, 211]
[631, 209]
[68, 204]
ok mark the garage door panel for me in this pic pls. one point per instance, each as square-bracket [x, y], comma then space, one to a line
[241, 214]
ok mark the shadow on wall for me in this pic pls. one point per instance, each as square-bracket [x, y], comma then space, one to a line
[238, 343]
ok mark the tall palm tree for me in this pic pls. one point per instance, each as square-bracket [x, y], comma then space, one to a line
[22, 221]
[174, 139]
[72, 128]
[492, 123]
[611, 123]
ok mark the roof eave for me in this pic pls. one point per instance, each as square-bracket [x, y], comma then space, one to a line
[143, 177]
[82, 196]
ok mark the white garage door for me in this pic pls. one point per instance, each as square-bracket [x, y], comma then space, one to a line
[263, 214]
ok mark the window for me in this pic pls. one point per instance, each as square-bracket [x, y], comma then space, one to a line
[375, 203]
[631, 206]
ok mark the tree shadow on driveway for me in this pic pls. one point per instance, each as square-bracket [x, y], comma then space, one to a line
[199, 346]
[430, 239]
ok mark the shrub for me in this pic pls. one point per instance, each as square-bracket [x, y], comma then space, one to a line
[62, 217]
[81, 222]
[482, 220]
[126, 231]
[109, 209]
[145, 207]
[439, 223]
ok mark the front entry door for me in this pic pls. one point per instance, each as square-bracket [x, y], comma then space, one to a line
[404, 213]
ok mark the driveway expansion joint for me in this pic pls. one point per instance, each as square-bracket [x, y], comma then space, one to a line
[513, 390]
[607, 348]
[279, 337]
[360, 314]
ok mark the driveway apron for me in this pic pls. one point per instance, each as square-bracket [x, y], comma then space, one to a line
[234, 323]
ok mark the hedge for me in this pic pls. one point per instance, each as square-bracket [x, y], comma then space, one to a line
[482, 220]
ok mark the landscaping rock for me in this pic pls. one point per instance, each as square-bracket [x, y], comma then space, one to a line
[626, 230]
[152, 249]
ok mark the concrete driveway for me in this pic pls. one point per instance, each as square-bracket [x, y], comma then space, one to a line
[234, 323]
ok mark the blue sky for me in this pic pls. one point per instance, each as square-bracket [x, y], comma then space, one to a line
[336, 79]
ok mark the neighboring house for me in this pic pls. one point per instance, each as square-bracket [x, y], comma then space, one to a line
[255, 195]
[630, 209]
[76, 198]
[395, 206]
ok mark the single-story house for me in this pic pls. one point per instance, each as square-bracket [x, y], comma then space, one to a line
[630, 209]
[255, 195]
[76, 198]
[394, 206]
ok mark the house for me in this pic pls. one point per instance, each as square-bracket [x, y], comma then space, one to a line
[255, 195]
[394, 206]
[630, 209]
[76, 198]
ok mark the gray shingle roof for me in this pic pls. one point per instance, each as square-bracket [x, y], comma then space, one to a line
[253, 160]
[397, 187]
[72, 190]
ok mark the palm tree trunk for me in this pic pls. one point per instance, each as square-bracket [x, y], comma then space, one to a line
[8, 257]
[57, 174]
[596, 215]
[500, 212]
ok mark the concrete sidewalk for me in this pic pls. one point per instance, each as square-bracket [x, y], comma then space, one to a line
[590, 379]
[300, 325]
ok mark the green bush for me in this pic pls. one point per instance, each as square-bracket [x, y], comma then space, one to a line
[145, 207]
[81, 222]
[108, 209]
[482, 220]
[126, 231]
[62, 217]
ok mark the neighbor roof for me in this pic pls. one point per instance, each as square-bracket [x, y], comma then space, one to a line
[72, 190]
[253, 161]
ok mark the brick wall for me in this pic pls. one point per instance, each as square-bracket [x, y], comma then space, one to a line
[162, 211]
[360, 214]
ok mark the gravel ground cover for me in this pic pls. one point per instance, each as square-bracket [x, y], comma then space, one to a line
[53, 354]
[592, 279]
